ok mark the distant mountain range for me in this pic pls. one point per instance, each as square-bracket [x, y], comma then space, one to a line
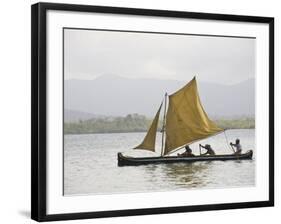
[111, 95]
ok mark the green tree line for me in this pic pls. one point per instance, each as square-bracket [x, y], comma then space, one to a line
[241, 123]
[139, 123]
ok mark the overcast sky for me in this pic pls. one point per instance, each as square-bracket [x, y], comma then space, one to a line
[225, 60]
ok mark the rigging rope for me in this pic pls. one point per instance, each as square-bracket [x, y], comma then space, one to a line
[227, 140]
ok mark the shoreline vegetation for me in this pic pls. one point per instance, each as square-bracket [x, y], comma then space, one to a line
[140, 123]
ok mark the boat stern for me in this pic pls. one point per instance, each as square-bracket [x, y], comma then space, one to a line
[250, 152]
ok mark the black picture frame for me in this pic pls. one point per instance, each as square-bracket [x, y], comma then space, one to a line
[39, 116]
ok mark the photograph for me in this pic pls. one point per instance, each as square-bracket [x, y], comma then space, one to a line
[157, 112]
[141, 111]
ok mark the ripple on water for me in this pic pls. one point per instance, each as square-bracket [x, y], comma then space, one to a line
[90, 166]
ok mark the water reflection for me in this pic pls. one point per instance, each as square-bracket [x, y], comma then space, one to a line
[184, 174]
[91, 166]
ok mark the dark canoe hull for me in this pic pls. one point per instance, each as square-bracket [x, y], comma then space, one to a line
[134, 161]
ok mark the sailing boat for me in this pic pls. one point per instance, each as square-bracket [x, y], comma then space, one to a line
[184, 123]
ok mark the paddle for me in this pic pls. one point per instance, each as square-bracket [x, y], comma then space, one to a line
[232, 147]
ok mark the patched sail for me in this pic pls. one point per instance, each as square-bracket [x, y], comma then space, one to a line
[186, 120]
[149, 140]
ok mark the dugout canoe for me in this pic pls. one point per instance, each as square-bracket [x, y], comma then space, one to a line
[135, 161]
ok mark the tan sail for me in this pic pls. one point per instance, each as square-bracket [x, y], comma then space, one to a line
[149, 140]
[186, 119]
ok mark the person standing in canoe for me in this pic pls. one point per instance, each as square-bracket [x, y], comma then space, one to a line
[238, 146]
[209, 149]
[187, 153]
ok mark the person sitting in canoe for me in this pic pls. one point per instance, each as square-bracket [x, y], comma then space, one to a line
[209, 149]
[187, 153]
[238, 146]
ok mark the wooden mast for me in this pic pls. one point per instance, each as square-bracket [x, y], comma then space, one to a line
[163, 126]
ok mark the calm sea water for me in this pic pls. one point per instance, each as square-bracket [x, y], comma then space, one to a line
[90, 165]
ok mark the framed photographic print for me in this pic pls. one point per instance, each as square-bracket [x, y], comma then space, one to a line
[140, 111]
